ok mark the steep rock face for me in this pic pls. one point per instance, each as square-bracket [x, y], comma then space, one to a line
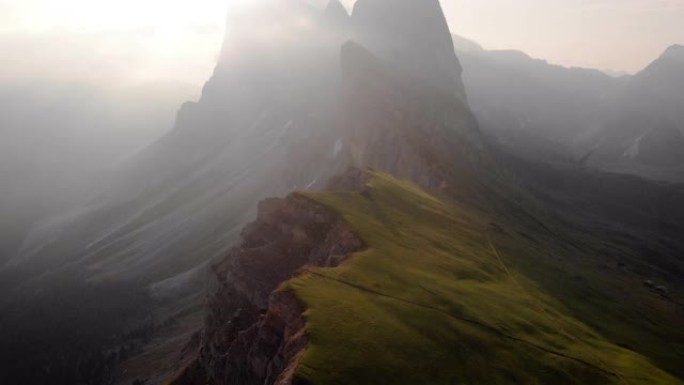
[266, 124]
[255, 331]
[409, 128]
[413, 36]
[336, 15]
[409, 119]
[279, 114]
[406, 109]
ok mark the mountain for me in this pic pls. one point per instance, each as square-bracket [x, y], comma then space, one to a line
[626, 124]
[233, 145]
[264, 126]
[532, 107]
[394, 284]
[385, 280]
[413, 37]
[646, 133]
[276, 116]
[268, 122]
[414, 250]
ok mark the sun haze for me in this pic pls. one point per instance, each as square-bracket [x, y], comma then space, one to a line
[155, 40]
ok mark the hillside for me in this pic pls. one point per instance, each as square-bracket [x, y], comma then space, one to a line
[546, 112]
[449, 260]
[534, 108]
[645, 134]
[431, 292]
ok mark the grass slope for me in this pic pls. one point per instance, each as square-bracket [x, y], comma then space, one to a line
[434, 300]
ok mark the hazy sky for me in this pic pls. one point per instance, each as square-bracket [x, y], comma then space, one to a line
[110, 41]
[623, 35]
[124, 41]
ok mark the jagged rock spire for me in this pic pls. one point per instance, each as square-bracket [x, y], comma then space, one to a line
[336, 11]
[414, 35]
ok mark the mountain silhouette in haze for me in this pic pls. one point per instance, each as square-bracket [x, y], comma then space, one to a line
[331, 210]
[287, 108]
[272, 119]
[626, 124]
[647, 131]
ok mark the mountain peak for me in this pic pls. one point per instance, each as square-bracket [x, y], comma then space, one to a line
[335, 10]
[413, 35]
[675, 51]
[463, 44]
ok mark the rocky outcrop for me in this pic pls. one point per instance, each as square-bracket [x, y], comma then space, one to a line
[394, 122]
[406, 112]
[255, 332]
[408, 128]
[412, 35]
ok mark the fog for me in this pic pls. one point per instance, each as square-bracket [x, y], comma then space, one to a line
[138, 140]
[116, 192]
[84, 87]
[57, 141]
[69, 111]
[84, 84]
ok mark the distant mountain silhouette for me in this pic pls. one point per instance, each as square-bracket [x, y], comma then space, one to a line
[646, 132]
[557, 114]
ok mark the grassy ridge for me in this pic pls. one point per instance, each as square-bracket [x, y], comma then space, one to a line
[433, 301]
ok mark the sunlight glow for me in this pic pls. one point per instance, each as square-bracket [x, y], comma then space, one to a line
[163, 36]
[126, 40]
[123, 14]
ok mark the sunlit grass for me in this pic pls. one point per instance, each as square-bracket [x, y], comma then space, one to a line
[431, 301]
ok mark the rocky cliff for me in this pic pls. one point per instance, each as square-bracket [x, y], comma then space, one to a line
[299, 94]
[405, 127]
[255, 331]
[267, 123]
[441, 293]
[408, 118]
[405, 108]
[412, 35]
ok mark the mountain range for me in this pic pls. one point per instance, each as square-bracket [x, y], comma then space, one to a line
[426, 212]
[629, 124]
